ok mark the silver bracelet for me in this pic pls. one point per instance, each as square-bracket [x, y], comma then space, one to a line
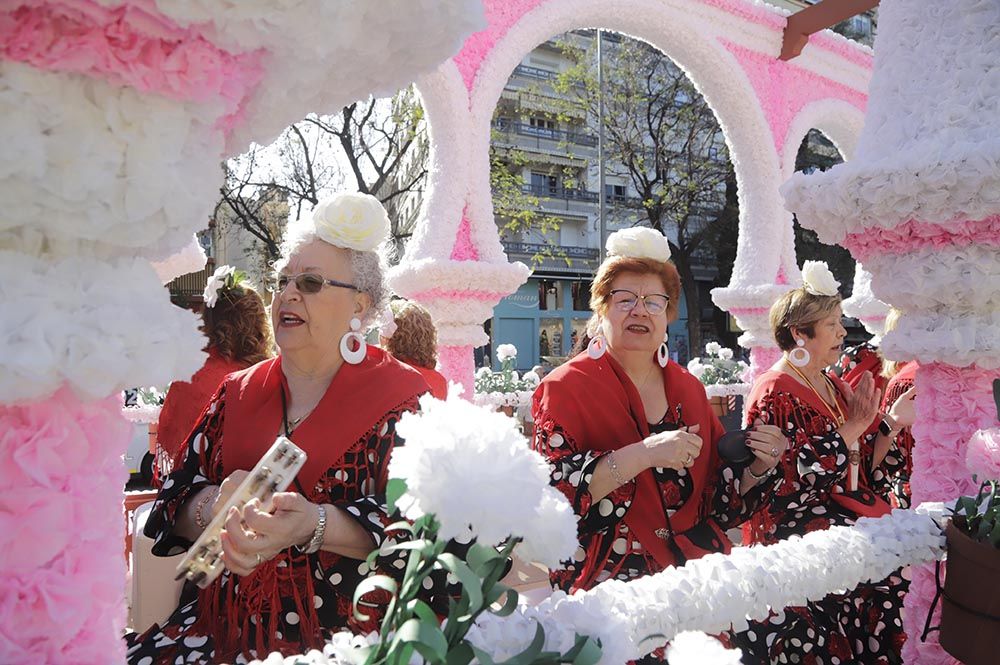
[317, 538]
[613, 467]
[761, 476]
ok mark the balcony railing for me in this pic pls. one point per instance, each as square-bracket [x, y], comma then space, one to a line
[556, 192]
[191, 285]
[535, 72]
[525, 129]
[532, 249]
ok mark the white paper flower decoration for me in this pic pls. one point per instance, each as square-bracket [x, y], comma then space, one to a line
[818, 280]
[639, 242]
[352, 221]
[505, 351]
[215, 284]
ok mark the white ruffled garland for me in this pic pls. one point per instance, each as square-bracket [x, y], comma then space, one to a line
[727, 389]
[142, 414]
[97, 326]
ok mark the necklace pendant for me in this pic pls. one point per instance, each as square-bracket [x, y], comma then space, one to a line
[662, 533]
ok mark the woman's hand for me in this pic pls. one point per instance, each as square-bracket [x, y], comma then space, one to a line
[677, 449]
[768, 445]
[862, 407]
[904, 410]
[226, 490]
[255, 536]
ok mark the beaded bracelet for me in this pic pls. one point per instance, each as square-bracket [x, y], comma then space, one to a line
[615, 475]
[198, 519]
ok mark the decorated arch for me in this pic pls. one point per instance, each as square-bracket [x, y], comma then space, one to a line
[727, 47]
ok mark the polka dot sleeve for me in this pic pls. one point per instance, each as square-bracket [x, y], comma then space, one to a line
[571, 472]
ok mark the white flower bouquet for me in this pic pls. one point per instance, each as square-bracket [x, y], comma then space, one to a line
[717, 367]
[504, 388]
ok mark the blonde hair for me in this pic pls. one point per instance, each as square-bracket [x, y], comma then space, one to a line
[415, 339]
[890, 368]
[800, 310]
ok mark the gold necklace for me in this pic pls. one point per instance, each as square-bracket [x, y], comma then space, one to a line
[839, 414]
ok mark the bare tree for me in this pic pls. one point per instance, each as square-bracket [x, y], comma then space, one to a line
[371, 147]
[664, 139]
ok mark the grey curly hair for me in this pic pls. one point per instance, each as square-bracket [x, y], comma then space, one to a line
[369, 268]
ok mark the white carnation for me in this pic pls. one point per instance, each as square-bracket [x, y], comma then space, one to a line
[550, 538]
[483, 372]
[352, 221]
[505, 351]
[818, 280]
[713, 348]
[726, 354]
[639, 242]
[532, 378]
[442, 464]
[696, 368]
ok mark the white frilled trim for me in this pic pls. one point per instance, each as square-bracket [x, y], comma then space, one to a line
[123, 173]
[717, 591]
[750, 305]
[460, 295]
[147, 413]
[727, 389]
[960, 340]
[190, 259]
[97, 326]
[378, 49]
[939, 160]
[516, 399]
[951, 277]
[863, 305]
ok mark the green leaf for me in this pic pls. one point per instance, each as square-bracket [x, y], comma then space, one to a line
[393, 490]
[471, 583]
[483, 657]
[422, 610]
[509, 603]
[368, 585]
[426, 637]
[461, 655]
[534, 650]
[479, 556]
[588, 651]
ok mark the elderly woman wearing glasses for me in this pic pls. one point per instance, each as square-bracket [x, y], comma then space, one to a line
[292, 570]
[631, 438]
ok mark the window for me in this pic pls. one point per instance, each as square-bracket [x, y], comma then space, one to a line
[541, 127]
[615, 192]
[549, 294]
[581, 296]
[550, 338]
[543, 183]
[682, 98]
[713, 153]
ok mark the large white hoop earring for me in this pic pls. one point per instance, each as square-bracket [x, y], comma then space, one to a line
[357, 355]
[663, 353]
[799, 356]
[597, 346]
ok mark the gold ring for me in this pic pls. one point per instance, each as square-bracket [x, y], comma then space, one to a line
[690, 459]
[260, 559]
[774, 452]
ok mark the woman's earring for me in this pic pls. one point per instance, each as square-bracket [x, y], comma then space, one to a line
[597, 346]
[357, 355]
[799, 356]
[663, 353]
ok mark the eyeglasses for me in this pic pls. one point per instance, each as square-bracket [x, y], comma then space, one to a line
[310, 282]
[625, 301]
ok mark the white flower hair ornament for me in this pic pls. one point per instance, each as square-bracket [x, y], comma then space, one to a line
[818, 280]
[387, 322]
[639, 243]
[225, 276]
[352, 221]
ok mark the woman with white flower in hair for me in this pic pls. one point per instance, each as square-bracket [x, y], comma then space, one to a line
[835, 471]
[630, 435]
[292, 571]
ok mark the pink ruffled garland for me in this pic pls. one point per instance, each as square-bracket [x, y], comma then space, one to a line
[458, 364]
[500, 17]
[983, 455]
[952, 403]
[761, 359]
[464, 249]
[914, 235]
[61, 531]
[128, 45]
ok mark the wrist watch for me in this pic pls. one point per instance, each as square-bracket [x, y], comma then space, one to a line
[887, 425]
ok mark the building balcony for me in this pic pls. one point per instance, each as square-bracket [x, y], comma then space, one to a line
[543, 137]
[557, 192]
[535, 73]
[554, 259]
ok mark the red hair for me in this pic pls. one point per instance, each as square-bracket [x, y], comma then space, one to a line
[613, 266]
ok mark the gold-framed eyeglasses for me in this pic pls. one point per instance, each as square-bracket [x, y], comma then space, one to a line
[625, 301]
[310, 282]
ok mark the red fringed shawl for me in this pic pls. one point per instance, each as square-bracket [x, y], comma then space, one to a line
[357, 400]
[598, 406]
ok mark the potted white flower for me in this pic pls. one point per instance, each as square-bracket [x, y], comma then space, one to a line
[721, 375]
[505, 390]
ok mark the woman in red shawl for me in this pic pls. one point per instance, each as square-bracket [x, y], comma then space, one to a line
[834, 472]
[239, 335]
[631, 437]
[291, 573]
[412, 338]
